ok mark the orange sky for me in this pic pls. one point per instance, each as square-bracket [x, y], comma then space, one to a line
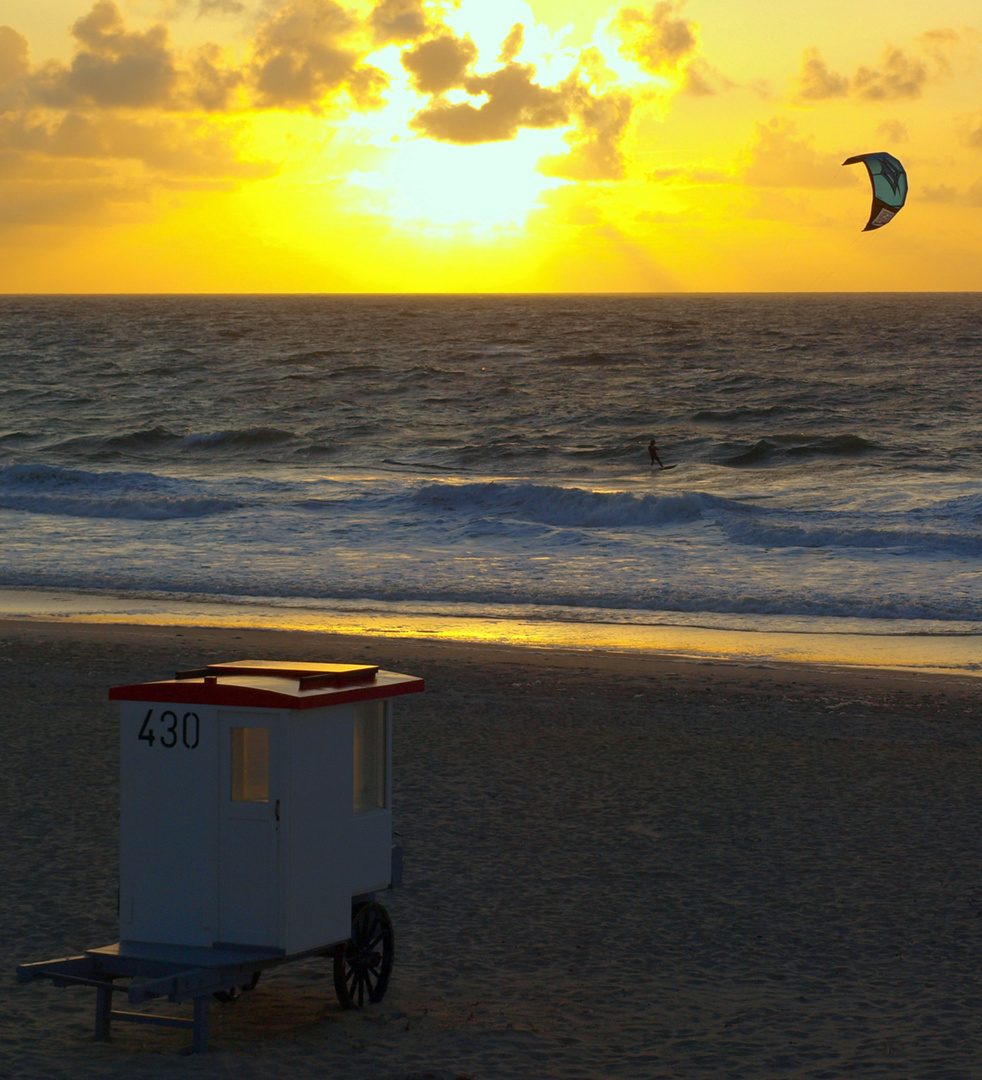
[405, 145]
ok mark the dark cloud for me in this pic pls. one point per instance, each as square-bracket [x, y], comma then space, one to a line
[972, 132]
[440, 64]
[14, 55]
[702, 80]
[657, 39]
[943, 193]
[211, 84]
[816, 82]
[15, 66]
[512, 45]
[951, 196]
[947, 48]
[178, 146]
[398, 21]
[897, 76]
[307, 51]
[128, 94]
[112, 67]
[59, 198]
[514, 100]
[594, 153]
[893, 131]
[220, 7]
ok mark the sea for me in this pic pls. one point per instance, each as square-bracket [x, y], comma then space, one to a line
[424, 462]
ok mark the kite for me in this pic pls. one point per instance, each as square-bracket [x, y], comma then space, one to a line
[889, 182]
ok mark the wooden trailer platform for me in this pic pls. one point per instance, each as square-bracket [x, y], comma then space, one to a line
[182, 973]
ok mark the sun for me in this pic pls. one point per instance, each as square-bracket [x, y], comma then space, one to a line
[441, 186]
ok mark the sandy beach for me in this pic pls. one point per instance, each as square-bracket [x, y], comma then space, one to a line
[617, 865]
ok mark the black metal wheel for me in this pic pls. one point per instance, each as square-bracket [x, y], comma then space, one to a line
[362, 966]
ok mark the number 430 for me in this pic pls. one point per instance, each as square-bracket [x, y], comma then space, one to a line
[189, 724]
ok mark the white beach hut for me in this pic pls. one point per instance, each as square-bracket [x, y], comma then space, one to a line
[255, 827]
[255, 802]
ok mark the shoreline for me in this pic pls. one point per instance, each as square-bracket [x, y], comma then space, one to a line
[954, 655]
[223, 643]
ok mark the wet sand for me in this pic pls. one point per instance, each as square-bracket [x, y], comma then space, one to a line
[617, 865]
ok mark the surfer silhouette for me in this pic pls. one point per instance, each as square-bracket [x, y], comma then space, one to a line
[653, 454]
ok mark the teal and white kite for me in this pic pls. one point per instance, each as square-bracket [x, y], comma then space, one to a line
[889, 182]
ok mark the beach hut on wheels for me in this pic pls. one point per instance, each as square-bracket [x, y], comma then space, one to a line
[255, 829]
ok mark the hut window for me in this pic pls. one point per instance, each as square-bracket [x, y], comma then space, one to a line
[250, 764]
[370, 757]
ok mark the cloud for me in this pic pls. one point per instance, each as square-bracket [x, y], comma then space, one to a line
[212, 83]
[946, 48]
[177, 146]
[15, 66]
[595, 152]
[666, 217]
[591, 102]
[78, 169]
[689, 175]
[513, 100]
[816, 82]
[117, 123]
[898, 76]
[943, 193]
[220, 7]
[658, 40]
[398, 21]
[513, 43]
[14, 55]
[308, 50]
[170, 9]
[440, 64]
[893, 130]
[112, 66]
[971, 131]
[779, 158]
[129, 94]
[702, 80]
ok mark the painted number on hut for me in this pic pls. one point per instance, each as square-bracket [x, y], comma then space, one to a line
[169, 730]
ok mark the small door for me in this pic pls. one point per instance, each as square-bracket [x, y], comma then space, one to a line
[248, 859]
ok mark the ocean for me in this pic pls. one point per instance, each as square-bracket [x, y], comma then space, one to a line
[485, 458]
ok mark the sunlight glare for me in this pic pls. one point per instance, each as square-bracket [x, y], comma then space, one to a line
[482, 187]
[489, 24]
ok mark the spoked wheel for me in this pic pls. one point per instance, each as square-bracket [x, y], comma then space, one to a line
[363, 965]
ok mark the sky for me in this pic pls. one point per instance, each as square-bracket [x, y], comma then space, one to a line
[383, 146]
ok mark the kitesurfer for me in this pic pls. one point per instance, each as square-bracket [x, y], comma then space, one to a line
[653, 454]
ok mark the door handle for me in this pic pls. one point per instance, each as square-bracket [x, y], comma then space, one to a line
[277, 809]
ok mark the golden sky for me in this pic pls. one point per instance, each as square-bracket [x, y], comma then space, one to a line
[485, 145]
